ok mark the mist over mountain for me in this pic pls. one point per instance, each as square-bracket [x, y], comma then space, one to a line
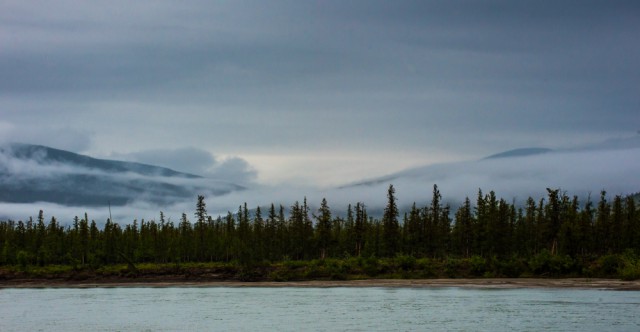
[519, 153]
[517, 174]
[34, 173]
[65, 184]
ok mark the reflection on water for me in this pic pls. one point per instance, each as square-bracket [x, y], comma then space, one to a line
[320, 309]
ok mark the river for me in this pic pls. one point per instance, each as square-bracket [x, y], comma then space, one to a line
[317, 309]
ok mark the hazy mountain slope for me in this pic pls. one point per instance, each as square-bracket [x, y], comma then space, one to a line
[520, 173]
[73, 184]
[45, 154]
[519, 153]
[33, 173]
[448, 170]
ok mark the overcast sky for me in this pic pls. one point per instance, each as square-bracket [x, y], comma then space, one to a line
[316, 92]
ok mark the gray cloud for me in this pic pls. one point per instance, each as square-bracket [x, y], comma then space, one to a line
[57, 136]
[190, 160]
[438, 80]
[196, 161]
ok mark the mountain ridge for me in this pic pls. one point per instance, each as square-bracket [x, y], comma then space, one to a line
[440, 167]
[521, 152]
[36, 173]
[32, 151]
[526, 172]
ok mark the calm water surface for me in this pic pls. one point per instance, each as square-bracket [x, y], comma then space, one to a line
[317, 309]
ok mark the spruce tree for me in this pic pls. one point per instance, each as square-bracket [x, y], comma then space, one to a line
[324, 228]
[360, 228]
[463, 229]
[201, 209]
[200, 228]
[258, 246]
[390, 226]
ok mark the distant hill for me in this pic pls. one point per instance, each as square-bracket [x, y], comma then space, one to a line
[515, 174]
[519, 153]
[617, 143]
[44, 154]
[35, 173]
[445, 170]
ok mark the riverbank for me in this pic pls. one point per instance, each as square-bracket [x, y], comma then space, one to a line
[491, 283]
[353, 272]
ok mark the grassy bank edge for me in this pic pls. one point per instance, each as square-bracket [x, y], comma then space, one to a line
[544, 265]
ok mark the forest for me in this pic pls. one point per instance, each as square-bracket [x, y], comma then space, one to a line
[555, 236]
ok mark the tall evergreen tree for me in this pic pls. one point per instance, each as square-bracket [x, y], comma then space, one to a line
[617, 225]
[631, 233]
[201, 209]
[271, 234]
[552, 220]
[324, 228]
[258, 246]
[412, 231]
[602, 225]
[185, 239]
[359, 228]
[463, 229]
[200, 229]
[390, 226]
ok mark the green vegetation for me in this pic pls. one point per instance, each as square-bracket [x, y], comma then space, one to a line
[554, 237]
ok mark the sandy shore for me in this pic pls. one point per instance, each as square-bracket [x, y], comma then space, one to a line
[495, 283]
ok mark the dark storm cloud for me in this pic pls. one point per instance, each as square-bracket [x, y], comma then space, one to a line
[285, 42]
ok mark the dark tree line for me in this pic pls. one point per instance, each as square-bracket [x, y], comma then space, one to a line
[490, 228]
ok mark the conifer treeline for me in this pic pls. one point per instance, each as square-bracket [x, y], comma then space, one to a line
[490, 228]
